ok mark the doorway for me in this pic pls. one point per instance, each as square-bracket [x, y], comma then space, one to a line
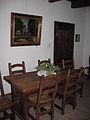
[63, 41]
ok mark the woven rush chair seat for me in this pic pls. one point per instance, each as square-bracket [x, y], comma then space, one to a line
[45, 99]
[5, 103]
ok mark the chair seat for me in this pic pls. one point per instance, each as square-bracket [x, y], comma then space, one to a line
[44, 99]
[5, 103]
[61, 94]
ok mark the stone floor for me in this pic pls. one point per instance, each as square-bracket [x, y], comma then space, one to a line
[82, 111]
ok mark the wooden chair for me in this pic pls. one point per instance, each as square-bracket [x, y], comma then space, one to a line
[68, 64]
[13, 68]
[45, 96]
[5, 104]
[44, 61]
[68, 93]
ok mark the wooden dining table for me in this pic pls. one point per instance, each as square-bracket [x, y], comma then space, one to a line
[21, 86]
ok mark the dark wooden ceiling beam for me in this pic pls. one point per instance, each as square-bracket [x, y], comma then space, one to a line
[53, 1]
[75, 3]
[80, 3]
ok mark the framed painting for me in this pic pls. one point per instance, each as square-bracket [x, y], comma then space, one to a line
[77, 37]
[25, 29]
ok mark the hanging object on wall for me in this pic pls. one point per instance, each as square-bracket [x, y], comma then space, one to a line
[25, 29]
[77, 38]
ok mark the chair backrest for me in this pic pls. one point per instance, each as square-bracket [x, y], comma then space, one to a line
[71, 83]
[1, 86]
[68, 64]
[16, 68]
[48, 86]
[44, 61]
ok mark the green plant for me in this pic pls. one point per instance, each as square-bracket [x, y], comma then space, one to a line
[48, 67]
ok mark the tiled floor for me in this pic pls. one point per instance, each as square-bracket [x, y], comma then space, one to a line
[82, 111]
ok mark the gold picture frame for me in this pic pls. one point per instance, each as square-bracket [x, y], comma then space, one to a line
[25, 29]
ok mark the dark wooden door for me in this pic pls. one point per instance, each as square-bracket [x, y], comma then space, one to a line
[63, 41]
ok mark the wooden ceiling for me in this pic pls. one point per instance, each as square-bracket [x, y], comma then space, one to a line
[75, 3]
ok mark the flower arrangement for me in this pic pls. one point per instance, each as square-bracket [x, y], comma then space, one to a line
[48, 67]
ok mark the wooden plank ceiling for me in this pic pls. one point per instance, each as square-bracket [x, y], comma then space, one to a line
[75, 3]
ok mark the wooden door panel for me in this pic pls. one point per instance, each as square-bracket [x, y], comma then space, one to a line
[63, 41]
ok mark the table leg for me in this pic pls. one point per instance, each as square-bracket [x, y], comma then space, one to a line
[25, 107]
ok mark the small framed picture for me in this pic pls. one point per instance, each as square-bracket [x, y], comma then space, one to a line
[77, 38]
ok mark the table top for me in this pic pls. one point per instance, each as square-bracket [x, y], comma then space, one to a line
[29, 81]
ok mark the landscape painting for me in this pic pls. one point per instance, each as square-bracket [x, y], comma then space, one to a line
[25, 29]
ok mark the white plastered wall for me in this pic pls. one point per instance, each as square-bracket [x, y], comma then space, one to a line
[87, 38]
[58, 11]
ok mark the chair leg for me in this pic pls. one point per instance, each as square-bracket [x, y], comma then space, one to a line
[52, 111]
[63, 106]
[74, 101]
[5, 113]
[74, 106]
[37, 113]
[13, 114]
[81, 92]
